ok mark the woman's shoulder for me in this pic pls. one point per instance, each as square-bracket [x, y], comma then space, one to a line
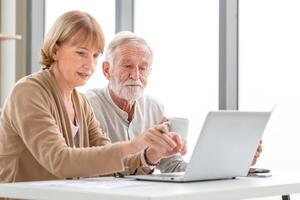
[31, 84]
[82, 99]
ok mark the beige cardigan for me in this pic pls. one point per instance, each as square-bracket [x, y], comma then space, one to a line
[36, 141]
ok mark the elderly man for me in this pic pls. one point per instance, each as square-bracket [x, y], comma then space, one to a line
[122, 109]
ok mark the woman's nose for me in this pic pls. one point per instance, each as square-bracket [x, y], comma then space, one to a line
[90, 62]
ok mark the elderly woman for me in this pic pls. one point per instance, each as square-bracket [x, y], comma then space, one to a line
[48, 130]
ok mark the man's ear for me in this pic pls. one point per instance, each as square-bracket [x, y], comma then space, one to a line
[106, 69]
[150, 70]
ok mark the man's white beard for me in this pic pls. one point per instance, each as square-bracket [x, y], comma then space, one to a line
[126, 92]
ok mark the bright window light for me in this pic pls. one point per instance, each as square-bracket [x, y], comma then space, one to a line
[184, 37]
[269, 75]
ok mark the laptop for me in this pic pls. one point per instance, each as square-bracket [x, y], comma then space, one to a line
[224, 150]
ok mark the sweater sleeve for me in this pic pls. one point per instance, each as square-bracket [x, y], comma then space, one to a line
[132, 163]
[172, 164]
[32, 119]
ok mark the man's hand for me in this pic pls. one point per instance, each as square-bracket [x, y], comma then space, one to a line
[257, 153]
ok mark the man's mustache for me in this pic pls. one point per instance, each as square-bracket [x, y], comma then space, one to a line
[133, 83]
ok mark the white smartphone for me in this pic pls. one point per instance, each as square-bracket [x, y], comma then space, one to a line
[262, 175]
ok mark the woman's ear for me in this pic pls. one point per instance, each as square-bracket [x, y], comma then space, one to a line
[106, 69]
[55, 52]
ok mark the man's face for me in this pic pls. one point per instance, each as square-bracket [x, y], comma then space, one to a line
[130, 70]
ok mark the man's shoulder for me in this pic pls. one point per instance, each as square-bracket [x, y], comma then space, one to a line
[150, 102]
[150, 99]
[94, 93]
[97, 98]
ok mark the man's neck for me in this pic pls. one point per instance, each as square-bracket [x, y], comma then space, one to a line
[123, 104]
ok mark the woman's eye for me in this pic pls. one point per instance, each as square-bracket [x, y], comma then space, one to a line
[96, 55]
[80, 53]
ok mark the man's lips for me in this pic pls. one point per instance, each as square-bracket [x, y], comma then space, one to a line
[133, 85]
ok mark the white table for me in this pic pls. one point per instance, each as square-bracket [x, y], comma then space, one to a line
[112, 188]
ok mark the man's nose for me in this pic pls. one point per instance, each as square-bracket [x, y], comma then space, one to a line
[135, 73]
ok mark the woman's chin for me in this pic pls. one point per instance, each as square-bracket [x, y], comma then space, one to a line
[81, 83]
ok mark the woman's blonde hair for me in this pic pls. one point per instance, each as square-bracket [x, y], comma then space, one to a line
[65, 28]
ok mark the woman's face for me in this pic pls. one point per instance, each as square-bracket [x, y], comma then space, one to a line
[75, 62]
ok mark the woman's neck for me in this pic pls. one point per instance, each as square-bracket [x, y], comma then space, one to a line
[64, 87]
[66, 93]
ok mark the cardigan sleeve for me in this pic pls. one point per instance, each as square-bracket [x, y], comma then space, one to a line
[33, 121]
[132, 163]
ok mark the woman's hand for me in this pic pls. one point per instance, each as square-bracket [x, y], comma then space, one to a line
[160, 143]
[155, 154]
[154, 137]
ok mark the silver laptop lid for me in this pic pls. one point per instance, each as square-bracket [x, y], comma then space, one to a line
[226, 145]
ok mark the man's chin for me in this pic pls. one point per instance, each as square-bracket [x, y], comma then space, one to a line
[132, 98]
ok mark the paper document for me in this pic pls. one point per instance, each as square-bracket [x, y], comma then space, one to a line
[91, 183]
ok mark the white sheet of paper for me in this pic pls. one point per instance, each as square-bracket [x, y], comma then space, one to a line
[91, 183]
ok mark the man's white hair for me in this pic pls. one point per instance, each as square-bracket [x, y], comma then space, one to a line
[125, 37]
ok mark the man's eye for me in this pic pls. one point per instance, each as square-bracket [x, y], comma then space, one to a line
[143, 68]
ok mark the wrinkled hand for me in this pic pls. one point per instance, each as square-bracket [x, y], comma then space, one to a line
[161, 143]
[154, 137]
[163, 120]
[155, 154]
[257, 153]
[181, 146]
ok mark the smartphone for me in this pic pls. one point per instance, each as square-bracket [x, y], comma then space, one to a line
[261, 175]
[258, 170]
